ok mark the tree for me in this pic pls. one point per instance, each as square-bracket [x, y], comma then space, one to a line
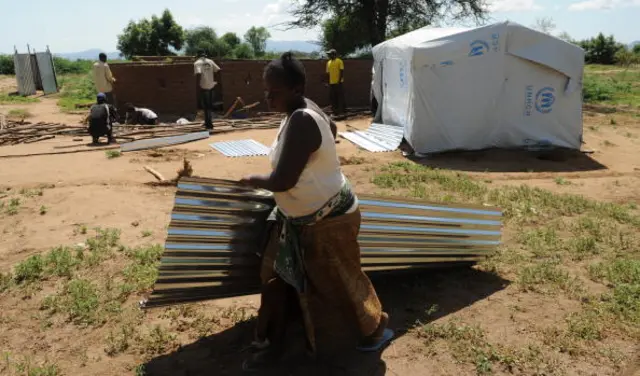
[601, 49]
[257, 38]
[231, 39]
[379, 16]
[205, 38]
[160, 36]
[343, 34]
[243, 51]
[545, 25]
[626, 58]
[566, 37]
[6, 65]
[636, 49]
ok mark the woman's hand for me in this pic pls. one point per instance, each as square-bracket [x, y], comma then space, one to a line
[246, 180]
[255, 181]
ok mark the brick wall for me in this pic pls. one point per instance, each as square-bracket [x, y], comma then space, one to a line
[171, 89]
[164, 88]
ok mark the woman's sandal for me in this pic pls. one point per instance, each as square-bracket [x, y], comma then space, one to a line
[380, 338]
[261, 360]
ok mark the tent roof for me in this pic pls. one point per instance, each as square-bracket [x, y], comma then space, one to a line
[524, 43]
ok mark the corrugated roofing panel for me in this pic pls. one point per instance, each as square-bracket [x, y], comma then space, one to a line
[163, 141]
[377, 138]
[240, 148]
[47, 72]
[24, 74]
[218, 231]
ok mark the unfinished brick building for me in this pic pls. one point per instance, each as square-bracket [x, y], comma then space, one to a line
[169, 87]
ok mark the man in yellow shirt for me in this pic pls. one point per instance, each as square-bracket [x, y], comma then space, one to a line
[103, 79]
[335, 75]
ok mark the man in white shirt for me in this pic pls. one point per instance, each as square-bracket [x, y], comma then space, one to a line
[204, 69]
[103, 78]
[140, 116]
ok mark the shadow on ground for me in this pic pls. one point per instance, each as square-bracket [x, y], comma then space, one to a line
[407, 298]
[496, 160]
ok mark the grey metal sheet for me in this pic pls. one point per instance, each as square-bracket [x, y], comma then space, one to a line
[218, 231]
[163, 141]
[240, 148]
[47, 72]
[24, 74]
[377, 138]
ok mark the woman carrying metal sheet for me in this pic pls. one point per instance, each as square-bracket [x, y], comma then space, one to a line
[314, 252]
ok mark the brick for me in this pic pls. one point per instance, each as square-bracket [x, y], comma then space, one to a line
[170, 88]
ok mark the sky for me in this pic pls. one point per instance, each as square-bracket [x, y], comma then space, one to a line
[81, 25]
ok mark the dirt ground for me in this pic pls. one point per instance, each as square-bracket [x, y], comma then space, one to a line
[88, 189]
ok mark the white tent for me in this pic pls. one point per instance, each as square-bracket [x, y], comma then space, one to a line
[502, 85]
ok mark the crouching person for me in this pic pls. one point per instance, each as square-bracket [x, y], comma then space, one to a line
[101, 119]
[140, 116]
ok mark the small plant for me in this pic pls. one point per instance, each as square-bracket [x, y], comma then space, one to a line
[19, 113]
[14, 205]
[141, 274]
[29, 270]
[79, 301]
[61, 262]
[156, 341]
[562, 181]
[111, 154]
[118, 341]
[146, 233]
[80, 229]
[613, 121]
[43, 210]
[6, 280]
[608, 143]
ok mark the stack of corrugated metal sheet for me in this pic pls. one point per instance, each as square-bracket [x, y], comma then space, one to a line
[377, 138]
[240, 148]
[218, 230]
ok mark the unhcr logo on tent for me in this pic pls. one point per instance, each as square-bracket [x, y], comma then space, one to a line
[478, 48]
[545, 98]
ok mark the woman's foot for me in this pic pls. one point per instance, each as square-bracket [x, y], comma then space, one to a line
[379, 337]
[262, 359]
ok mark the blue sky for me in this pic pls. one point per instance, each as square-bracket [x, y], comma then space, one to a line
[81, 24]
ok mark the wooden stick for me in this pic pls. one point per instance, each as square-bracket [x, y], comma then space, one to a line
[155, 173]
[38, 139]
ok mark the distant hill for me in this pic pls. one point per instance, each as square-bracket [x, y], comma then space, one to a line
[272, 45]
[292, 45]
[91, 54]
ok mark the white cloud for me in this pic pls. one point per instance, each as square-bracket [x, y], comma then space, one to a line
[603, 4]
[513, 5]
[277, 12]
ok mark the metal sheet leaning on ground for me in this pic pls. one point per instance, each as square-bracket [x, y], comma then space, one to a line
[218, 228]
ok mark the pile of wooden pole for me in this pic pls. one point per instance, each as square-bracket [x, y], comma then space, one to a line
[14, 133]
[25, 133]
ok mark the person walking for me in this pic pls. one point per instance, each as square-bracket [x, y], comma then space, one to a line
[205, 69]
[312, 256]
[335, 77]
[103, 78]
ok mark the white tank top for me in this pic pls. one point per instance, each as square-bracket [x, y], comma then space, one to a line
[321, 178]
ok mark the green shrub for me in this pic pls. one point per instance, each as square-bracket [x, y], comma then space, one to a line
[6, 65]
[65, 66]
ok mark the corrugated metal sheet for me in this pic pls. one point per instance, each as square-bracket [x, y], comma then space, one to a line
[163, 141]
[240, 148]
[218, 229]
[377, 138]
[47, 72]
[24, 74]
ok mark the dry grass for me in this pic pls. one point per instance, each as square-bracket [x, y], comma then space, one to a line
[566, 246]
